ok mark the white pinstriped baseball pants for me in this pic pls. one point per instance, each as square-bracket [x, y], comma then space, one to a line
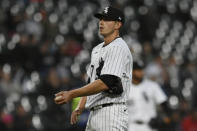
[110, 118]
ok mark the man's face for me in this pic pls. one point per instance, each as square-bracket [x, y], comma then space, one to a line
[106, 27]
[138, 74]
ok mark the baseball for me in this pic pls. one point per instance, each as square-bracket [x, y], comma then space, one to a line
[58, 98]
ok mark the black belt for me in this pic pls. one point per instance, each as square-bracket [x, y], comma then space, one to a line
[101, 106]
[104, 105]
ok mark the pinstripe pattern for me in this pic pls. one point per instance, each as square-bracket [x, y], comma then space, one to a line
[117, 61]
[111, 118]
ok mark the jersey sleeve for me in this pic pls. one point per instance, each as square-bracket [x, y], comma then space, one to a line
[114, 62]
[159, 94]
[88, 79]
[88, 72]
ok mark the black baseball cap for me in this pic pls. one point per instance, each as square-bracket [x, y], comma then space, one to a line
[111, 13]
[138, 65]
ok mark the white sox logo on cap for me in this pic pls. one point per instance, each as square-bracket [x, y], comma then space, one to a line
[106, 10]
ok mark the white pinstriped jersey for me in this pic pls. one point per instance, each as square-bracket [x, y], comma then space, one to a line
[114, 59]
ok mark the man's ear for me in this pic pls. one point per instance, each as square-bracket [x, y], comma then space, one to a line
[118, 25]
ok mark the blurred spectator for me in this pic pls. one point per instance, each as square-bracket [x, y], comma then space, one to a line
[189, 123]
[52, 84]
[22, 120]
[26, 53]
[155, 70]
[7, 84]
[54, 118]
[6, 121]
[147, 54]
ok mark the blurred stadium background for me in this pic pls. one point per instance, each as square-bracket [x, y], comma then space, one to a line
[45, 47]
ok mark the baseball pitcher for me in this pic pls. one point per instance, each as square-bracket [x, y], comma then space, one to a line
[110, 74]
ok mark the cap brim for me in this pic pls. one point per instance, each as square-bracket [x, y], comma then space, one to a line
[98, 15]
[102, 16]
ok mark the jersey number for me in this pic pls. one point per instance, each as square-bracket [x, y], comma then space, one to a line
[98, 70]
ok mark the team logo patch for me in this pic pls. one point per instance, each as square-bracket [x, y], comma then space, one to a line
[106, 10]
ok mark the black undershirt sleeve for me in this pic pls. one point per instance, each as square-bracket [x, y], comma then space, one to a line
[113, 83]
